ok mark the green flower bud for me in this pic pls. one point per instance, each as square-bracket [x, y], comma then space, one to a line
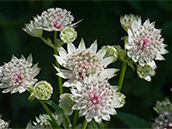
[42, 90]
[68, 34]
[145, 72]
[33, 29]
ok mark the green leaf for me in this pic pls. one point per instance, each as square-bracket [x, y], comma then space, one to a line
[54, 106]
[94, 125]
[133, 121]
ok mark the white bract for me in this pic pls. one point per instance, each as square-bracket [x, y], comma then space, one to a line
[145, 43]
[82, 63]
[18, 74]
[43, 123]
[3, 124]
[34, 29]
[96, 98]
[127, 20]
[42, 90]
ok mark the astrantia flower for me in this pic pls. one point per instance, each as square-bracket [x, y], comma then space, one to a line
[42, 122]
[96, 98]
[42, 90]
[55, 19]
[3, 124]
[68, 34]
[127, 20]
[163, 121]
[145, 43]
[82, 63]
[145, 72]
[18, 74]
[34, 29]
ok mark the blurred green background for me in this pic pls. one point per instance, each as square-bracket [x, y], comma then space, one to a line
[101, 22]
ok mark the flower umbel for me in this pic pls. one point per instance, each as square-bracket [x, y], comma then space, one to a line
[96, 98]
[145, 43]
[68, 34]
[82, 63]
[42, 90]
[55, 19]
[18, 74]
[3, 124]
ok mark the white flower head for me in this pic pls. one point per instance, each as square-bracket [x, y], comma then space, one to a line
[3, 124]
[34, 29]
[145, 43]
[18, 74]
[96, 98]
[42, 90]
[68, 34]
[145, 72]
[55, 19]
[82, 63]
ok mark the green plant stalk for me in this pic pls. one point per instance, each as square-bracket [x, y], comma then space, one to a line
[75, 119]
[50, 114]
[122, 74]
[58, 66]
[66, 120]
[120, 82]
[45, 41]
[84, 124]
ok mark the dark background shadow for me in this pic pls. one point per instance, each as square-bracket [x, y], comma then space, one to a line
[101, 22]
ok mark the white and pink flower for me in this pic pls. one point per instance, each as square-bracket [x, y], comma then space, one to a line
[82, 62]
[96, 98]
[18, 74]
[145, 43]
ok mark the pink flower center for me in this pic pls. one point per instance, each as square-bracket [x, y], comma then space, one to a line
[18, 79]
[96, 98]
[142, 43]
[56, 25]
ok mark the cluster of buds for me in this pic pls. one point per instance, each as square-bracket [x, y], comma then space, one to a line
[3, 124]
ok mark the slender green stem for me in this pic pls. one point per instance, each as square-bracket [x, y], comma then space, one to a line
[58, 66]
[75, 119]
[66, 121]
[120, 82]
[49, 113]
[122, 74]
[84, 124]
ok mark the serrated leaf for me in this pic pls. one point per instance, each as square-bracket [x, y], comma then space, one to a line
[133, 121]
